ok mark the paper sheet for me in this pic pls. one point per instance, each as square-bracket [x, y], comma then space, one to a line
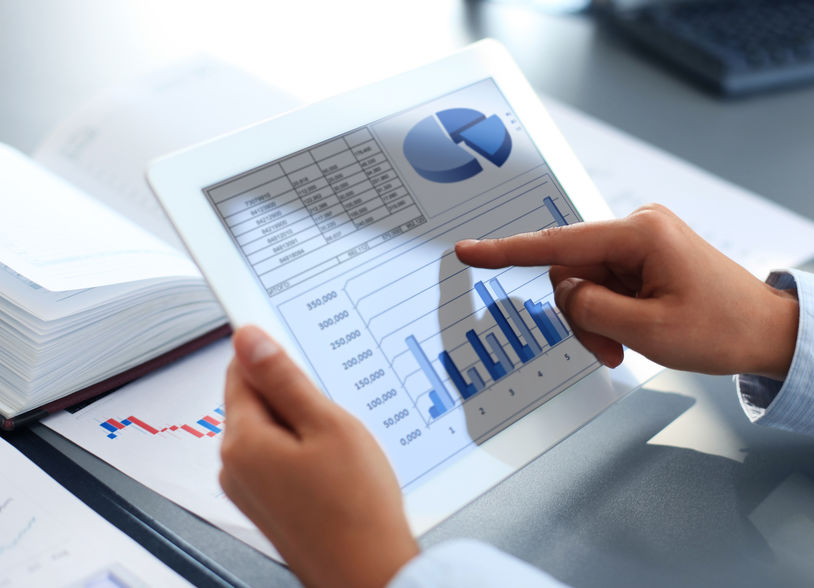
[49, 538]
[182, 462]
[61, 239]
[105, 148]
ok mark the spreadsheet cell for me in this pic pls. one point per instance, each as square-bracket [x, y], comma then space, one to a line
[274, 225]
[335, 211]
[400, 192]
[317, 195]
[399, 204]
[360, 199]
[355, 190]
[366, 149]
[346, 172]
[376, 159]
[373, 216]
[357, 137]
[248, 181]
[337, 162]
[349, 181]
[264, 241]
[285, 240]
[382, 177]
[254, 196]
[339, 232]
[239, 222]
[297, 162]
[328, 149]
[323, 204]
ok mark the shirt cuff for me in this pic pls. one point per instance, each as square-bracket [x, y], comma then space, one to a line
[469, 563]
[788, 404]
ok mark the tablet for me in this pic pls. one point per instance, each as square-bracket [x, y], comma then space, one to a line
[333, 228]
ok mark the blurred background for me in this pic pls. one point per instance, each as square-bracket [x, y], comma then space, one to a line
[56, 55]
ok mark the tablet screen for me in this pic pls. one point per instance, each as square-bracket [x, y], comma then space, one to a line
[352, 241]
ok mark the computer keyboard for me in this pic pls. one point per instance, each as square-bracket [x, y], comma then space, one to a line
[733, 46]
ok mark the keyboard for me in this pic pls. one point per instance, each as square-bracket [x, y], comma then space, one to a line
[732, 46]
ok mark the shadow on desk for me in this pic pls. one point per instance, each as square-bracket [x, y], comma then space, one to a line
[605, 508]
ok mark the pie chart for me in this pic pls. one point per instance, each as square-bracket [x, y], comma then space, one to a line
[433, 146]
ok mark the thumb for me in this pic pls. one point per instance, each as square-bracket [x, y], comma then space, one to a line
[288, 392]
[593, 308]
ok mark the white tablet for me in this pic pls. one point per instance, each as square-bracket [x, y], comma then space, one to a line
[332, 227]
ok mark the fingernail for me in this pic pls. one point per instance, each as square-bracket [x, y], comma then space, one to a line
[263, 349]
[467, 242]
[563, 292]
[256, 345]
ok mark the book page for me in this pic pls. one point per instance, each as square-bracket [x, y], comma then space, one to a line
[106, 147]
[61, 239]
[48, 537]
[22, 297]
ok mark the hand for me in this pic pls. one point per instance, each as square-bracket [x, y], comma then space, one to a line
[649, 282]
[309, 474]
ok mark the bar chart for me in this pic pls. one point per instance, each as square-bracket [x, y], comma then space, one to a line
[525, 345]
[432, 354]
[206, 426]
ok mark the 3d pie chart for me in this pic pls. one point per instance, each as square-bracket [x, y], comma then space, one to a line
[433, 145]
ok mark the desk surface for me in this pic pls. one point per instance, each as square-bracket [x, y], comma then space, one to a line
[718, 501]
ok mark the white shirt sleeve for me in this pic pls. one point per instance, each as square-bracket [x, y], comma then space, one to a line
[470, 564]
[788, 404]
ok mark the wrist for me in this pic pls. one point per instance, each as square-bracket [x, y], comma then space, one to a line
[390, 564]
[775, 337]
[369, 564]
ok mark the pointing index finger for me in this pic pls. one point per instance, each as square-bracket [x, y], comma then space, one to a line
[580, 244]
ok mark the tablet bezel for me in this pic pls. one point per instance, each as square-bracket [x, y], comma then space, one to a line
[178, 181]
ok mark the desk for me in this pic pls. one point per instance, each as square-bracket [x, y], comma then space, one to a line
[603, 508]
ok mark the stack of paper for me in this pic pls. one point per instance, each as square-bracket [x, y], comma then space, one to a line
[84, 293]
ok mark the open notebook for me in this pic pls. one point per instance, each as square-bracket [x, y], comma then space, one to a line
[95, 287]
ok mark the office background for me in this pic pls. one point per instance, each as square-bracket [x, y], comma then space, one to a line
[603, 508]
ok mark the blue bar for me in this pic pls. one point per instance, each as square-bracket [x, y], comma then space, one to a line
[555, 320]
[209, 426]
[495, 369]
[442, 401]
[109, 427]
[522, 351]
[555, 212]
[437, 408]
[464, 389]
[542, 322]
[219, 410]
[499, 352]
[477, 381]
[126, 422]
[111, 436]
[515, 317]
